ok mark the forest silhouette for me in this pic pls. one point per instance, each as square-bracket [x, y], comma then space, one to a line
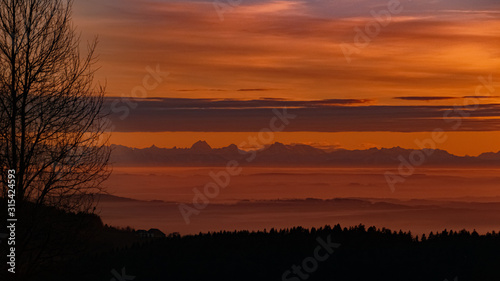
[364, 253]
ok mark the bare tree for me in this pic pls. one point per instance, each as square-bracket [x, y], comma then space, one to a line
[51, 122]
[51, 129]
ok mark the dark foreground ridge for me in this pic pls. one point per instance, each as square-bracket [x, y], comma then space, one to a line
[326, 253]
[67, 246]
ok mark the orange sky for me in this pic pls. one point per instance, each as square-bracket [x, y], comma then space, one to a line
[292, 50]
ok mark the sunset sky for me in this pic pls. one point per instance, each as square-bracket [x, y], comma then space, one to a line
[227, 69]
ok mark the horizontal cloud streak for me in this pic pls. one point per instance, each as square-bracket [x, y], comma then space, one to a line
[207, 115]
[481, 97]
[180, 103]
[424, 98]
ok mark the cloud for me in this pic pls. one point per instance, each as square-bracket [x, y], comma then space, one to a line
[481, 97]
[201, 90]
[424, 98]
[254, 90]
[158, 103]
[212, 115]
[431, 98]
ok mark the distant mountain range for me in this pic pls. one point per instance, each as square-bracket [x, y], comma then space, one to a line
[278, 154]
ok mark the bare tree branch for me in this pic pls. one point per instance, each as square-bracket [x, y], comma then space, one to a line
[50, 107]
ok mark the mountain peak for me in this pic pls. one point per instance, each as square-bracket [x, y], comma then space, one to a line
[277, 147]
[230, 148]
[201, 146]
